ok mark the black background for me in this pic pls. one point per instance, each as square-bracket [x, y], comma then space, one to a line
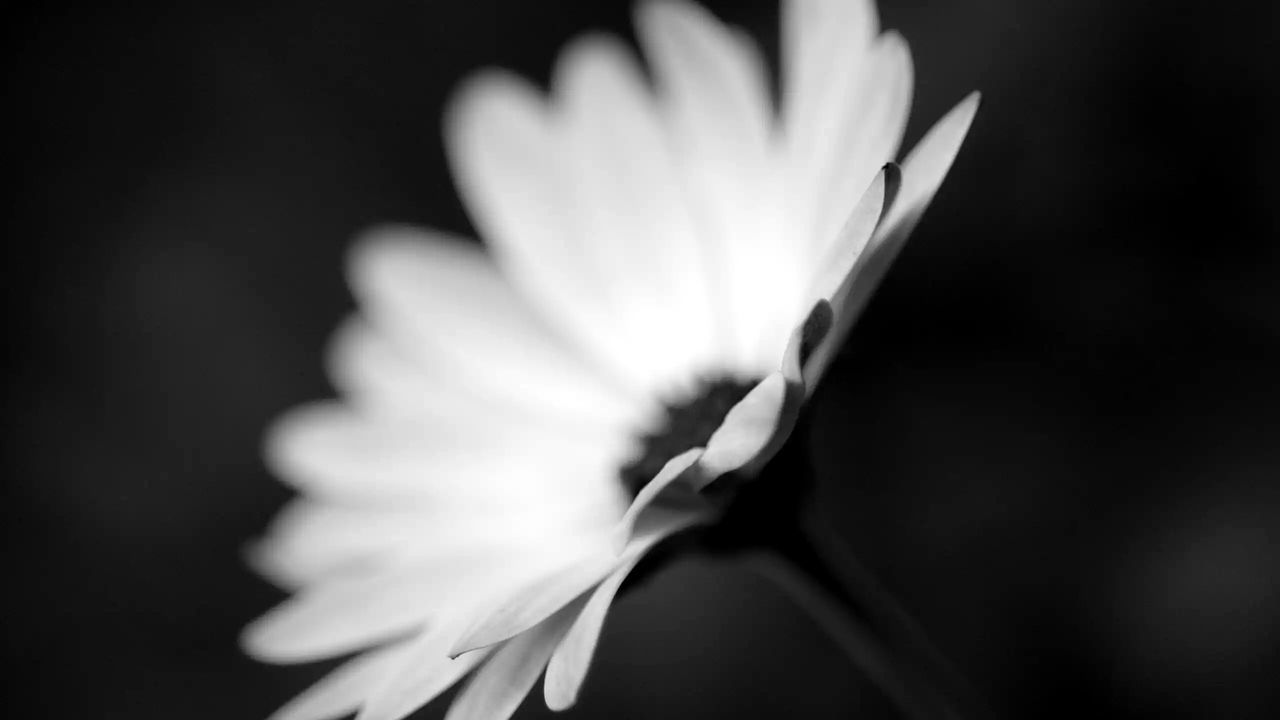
[1056, 433]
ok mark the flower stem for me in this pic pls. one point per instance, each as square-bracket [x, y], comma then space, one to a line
[853, 636]
[813, 565]
[899, 629]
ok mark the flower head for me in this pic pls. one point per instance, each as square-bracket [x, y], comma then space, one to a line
[670, 268]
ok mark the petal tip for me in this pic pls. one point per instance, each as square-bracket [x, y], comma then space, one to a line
[966, 109]
[892, 183]
[558, 696]
[467, 643]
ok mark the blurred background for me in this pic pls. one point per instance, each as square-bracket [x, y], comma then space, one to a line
[1055, 435]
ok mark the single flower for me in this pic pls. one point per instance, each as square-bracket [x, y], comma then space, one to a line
[670, 269]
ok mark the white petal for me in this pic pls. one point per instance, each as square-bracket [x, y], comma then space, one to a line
[498, 688]
[343, 616]
[922, 173]
[834, 274]
[854, 235]
[823, 42]
[926, 167]
[372, 372]
[569, 663]
[348, 613]
[537, 600]
[331, 451]
[674, 469]
[342, 691]
[627, 195]
[867, 136]
[445, 300]
[720, 118]
[825, 61]
[311, 540]
[426, 671]
[805, 338]
[510, 158]
[533, 603]
[382, 377]
[752, 429]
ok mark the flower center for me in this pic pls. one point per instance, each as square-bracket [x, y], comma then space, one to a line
[687, 423]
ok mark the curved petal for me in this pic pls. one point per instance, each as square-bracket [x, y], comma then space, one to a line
[922, 173]
[830, 282]
[676, 468]
[866, 137]
[855, 234]
[498, 688]
[751, 431]
[807, 337]
[530, 605]
[926, 167]
[572, 657]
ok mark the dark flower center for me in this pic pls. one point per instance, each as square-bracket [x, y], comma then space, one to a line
[687, 423]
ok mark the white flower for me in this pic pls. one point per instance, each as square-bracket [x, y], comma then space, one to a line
[519, 426]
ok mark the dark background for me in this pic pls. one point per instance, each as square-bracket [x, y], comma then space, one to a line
[1055, 435]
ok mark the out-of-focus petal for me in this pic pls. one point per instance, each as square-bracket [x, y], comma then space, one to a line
[823, 43]
[718, 110]
[332, 451]
[341, 692]
[513, 159]
[826, 59]
[313, 540]
[445, 298]
[867, 137]
[644, 247]
[349, 613]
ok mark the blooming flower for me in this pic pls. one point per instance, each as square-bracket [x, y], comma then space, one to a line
[669, 272]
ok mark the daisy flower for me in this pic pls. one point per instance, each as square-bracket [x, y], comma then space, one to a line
[671, 262]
